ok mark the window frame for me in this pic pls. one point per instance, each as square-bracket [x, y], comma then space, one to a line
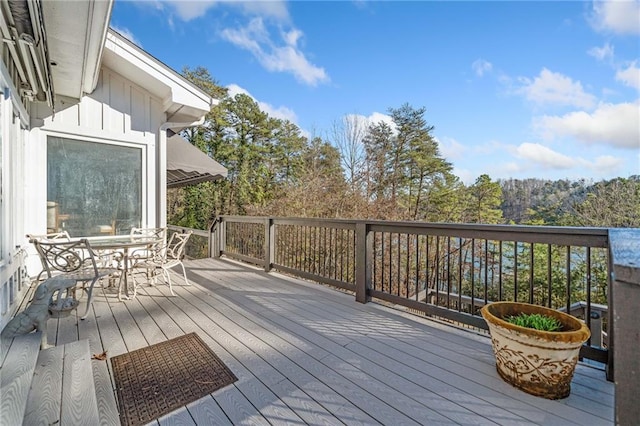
[143, 148]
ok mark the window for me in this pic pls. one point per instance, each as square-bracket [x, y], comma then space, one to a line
[93, 188]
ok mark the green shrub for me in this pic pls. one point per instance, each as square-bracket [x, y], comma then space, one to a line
[535, 321]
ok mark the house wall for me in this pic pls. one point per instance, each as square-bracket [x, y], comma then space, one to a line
[13, 137]
[120, 111]
[117, 112]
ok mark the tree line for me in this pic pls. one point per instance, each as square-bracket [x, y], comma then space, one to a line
[390, 171]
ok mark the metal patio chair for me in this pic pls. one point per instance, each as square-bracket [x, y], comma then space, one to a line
[164, 257]
[72, 259]
[62, 235]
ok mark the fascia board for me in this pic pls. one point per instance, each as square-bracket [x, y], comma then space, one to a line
[181, 91]
[97, 28]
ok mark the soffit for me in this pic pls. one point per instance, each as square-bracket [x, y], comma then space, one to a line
[76, 31]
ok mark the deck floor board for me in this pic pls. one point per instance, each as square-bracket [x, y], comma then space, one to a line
[307, 354]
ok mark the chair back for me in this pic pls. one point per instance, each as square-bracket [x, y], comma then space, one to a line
[176, 245]
[59, 256]
[62, 235]
[160, 233]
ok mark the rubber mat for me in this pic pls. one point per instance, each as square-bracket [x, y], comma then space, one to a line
[153, 381]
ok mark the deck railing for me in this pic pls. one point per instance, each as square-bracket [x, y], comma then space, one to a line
[451, 270]
[445, 270]
[198, 245]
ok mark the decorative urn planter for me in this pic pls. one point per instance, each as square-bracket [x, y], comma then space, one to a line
[541, 363]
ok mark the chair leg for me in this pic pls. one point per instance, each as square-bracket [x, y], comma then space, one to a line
[184, 273]
[89, 298]
[167, 276]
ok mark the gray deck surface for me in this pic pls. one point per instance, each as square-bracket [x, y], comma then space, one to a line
[308, 354]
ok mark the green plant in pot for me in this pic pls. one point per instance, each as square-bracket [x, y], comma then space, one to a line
[538, 361]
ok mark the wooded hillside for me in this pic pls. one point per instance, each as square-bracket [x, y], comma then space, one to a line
[380, 171]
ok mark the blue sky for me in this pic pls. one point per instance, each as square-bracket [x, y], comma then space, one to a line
[514, 89]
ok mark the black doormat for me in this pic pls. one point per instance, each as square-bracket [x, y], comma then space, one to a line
[153, 381]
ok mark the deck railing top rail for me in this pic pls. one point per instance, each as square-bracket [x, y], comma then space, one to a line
[561, 235]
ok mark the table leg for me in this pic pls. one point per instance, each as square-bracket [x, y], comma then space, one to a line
[125, 273]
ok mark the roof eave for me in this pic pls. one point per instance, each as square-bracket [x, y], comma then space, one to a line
[182, 100]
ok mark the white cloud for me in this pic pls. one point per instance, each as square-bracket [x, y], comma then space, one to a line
[280, 112]
[489, 147]
[373, 119]
[466, 176]
[630, 76]
[513, 168]
[605, 52]
[376, 117]
[555, 89]
[188, 10]
[605, 165]
[451, 149]
[533, 158]
[285, 56]
[543, 156]
[480, 67]
[126, 33]
[617, 125]
[617, 16]
[276, 9]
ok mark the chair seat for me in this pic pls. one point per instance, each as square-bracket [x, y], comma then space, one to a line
[89, 274]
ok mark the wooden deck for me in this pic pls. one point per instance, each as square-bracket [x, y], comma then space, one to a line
[308, 354]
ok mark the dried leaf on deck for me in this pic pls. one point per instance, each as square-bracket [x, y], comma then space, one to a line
[100, 357]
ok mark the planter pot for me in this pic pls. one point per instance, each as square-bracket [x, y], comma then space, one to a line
[538, 362]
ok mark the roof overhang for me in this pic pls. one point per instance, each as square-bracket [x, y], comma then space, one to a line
[182, 101]
[76, 32]
[187, 165]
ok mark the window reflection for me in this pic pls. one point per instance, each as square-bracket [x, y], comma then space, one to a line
[93, 188]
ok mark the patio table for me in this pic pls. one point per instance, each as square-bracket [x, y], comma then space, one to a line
[122, 244]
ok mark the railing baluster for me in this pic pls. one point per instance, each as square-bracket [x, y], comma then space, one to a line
[406, 278]
[531, 266]
[473, 275]
[459, 288]
[500, 294]
[549, 276]
[515, 271]
[426, 271]
[417, 264]
[568, 272]
[398, 270]
[437, 277]
[486, 269]
[448, 272]
[587, 315]
[382, 263]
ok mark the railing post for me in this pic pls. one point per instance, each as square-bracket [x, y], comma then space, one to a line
[624, 246]
[211, 239]
[364, 250]
[217, 237]
[269, 243]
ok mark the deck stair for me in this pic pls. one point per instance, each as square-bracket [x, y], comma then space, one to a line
[62, 390]
[52, 386]
[19, 356]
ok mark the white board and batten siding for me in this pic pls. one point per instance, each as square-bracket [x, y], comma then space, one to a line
[117, 112]
[13, 141]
